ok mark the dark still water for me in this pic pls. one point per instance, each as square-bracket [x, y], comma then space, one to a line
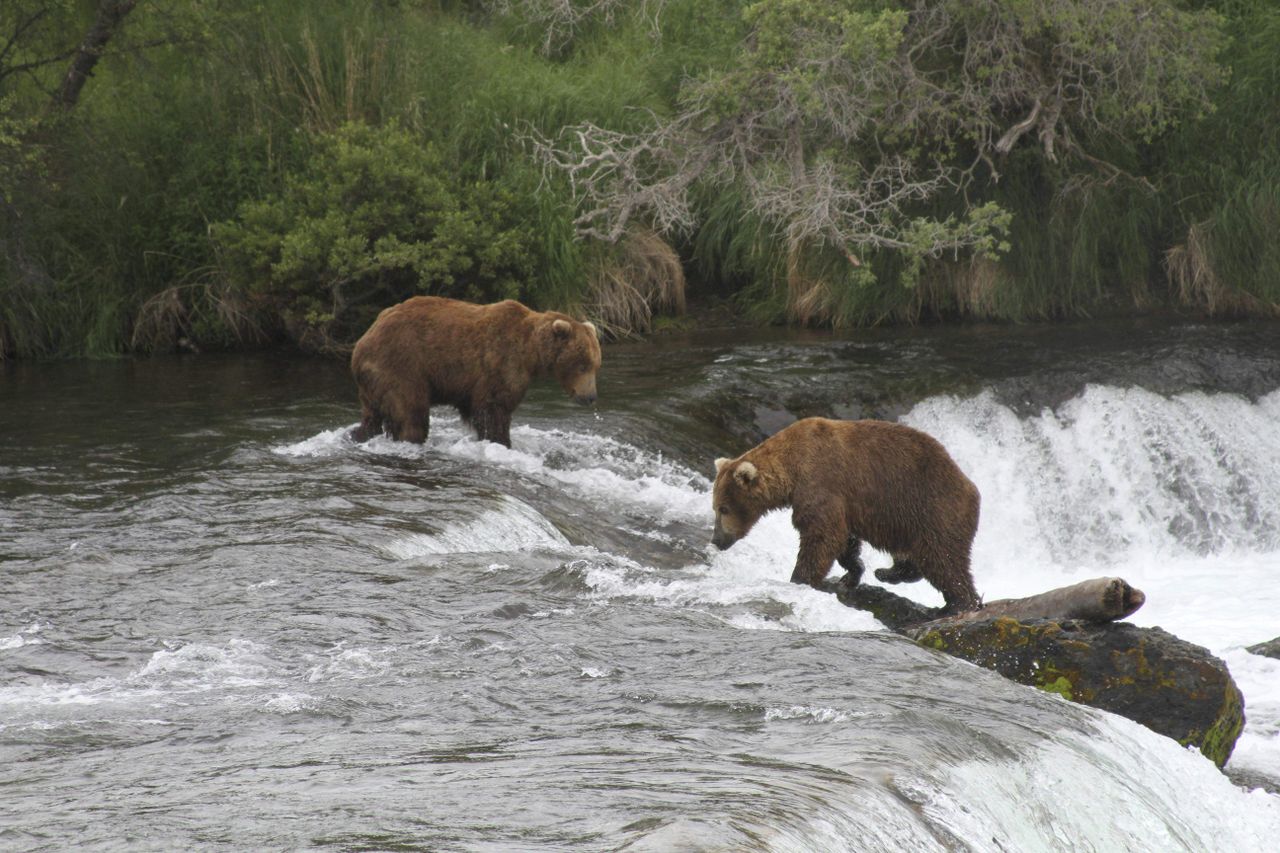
[224, 626]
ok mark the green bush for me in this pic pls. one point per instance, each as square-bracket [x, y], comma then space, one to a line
[374, 217]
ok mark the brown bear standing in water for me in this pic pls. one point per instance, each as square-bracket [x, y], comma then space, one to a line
[849, 481]
[430, 351]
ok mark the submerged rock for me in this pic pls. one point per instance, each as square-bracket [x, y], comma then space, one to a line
[1148, 675]
[1270, 649]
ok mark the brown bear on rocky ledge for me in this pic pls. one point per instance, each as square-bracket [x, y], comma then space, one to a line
[849, 481]
[480, 359]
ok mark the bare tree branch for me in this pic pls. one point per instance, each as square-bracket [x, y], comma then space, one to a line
[1013, 134]
[561, 21]
[841, 126]
[20, 30]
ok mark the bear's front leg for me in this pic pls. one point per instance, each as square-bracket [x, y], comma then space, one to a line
[817, 552]
[851, 560]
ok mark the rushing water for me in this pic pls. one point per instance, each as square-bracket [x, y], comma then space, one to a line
[223, 625]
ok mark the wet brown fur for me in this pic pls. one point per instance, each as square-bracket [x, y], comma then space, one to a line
[429, 351]
[852, 481]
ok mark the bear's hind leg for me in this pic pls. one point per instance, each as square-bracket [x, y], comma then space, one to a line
[411, 423]
[370, 418]
[954, 580]
[369, 427]
[903, 570]
[492, 422]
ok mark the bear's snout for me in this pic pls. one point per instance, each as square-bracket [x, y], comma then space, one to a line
[720, 539]
[582, 388]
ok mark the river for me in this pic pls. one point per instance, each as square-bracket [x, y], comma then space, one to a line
[225, 626]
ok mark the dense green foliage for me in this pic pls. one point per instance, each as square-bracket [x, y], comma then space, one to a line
[239, 171]
[373, 218]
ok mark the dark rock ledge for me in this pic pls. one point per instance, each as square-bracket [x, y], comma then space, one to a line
[1270, 649]
[1172, 687]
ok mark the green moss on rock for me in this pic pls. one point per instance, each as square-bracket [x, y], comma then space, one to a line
[1169, 685]
[1059, 685]
[1217, 742]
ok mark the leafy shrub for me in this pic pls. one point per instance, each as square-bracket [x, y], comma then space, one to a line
[375, 216]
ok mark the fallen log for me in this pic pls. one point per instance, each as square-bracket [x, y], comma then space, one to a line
[1094, 600]
[1064, 641]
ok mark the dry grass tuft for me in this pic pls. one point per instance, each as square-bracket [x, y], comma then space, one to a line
[810, 298]
[641, 277]
[172, 319]
[972, 286]
[1190, 269]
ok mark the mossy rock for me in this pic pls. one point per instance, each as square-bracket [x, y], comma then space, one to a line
[1170, 686]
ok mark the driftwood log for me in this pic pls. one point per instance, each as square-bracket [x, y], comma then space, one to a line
[1066, 641]
[1094, 600]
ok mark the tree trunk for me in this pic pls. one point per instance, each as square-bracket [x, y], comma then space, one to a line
[111, 14]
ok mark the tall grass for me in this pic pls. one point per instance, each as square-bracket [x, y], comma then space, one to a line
[1229, 263]
[1225, 171]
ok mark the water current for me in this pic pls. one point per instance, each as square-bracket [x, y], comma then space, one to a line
[225, 626]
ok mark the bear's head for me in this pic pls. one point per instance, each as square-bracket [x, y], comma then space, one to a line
[576, 358]
[737, 499]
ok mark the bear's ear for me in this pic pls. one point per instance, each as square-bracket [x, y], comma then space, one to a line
[746, 473]
[562, 328]
[591, 327]
[721, 462]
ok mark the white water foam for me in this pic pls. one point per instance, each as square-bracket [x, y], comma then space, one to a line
[1117, 474]
[1258, 678]
[812, 714]
[619, 475]
[510, 525]
[26, 637]
[342, 664]
[756, 570]
[291, 703]
[1178, 495]
[1145, 793]
[592, 466]
[167, 676]
[587, 465]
